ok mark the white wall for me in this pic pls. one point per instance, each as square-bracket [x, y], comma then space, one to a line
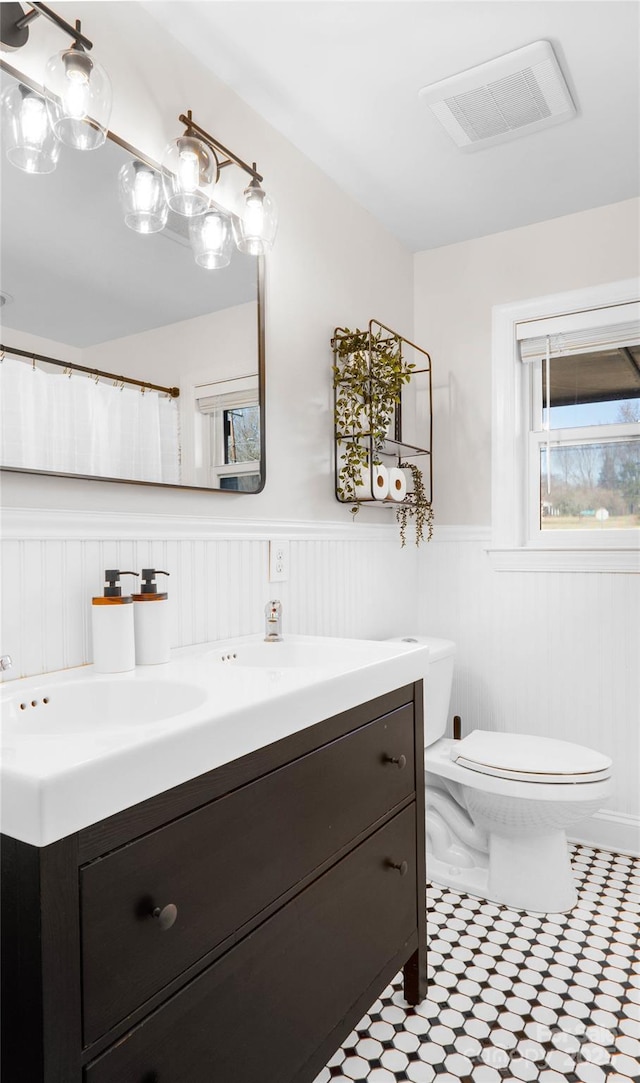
[216, 346]
[454, 291]
[332, 265]
[551, 653]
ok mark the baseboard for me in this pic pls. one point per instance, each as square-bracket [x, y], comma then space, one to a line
[616, 831]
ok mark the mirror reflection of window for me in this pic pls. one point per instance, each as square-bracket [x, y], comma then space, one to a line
[231, 433]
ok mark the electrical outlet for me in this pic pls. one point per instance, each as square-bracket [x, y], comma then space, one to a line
[278, 561]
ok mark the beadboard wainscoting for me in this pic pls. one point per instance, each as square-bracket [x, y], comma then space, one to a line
[346, 579]
[549, 653]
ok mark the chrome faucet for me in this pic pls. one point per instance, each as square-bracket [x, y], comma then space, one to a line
[273, 622]
[6, 662]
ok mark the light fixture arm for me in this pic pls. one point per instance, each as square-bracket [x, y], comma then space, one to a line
[15, 25]
[192, 127]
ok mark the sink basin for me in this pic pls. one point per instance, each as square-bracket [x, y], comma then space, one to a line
[337, 655]
[98, 703]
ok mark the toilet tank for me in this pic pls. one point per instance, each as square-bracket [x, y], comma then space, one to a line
[437, 685]
[437, 688]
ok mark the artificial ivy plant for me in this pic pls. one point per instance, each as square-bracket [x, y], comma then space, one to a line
[415, 506]
[368, 378]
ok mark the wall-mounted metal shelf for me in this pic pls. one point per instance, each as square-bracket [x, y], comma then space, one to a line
[382, 410]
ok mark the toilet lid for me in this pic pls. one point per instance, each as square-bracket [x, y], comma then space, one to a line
[530, 759]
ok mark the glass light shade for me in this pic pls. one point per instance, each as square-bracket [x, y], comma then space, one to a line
[190, 171]
[211, 239]
[29, 139]
[79, 99]
[255, 228]
[142, 198]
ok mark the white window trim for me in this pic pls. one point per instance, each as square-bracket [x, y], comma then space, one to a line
[560, 550]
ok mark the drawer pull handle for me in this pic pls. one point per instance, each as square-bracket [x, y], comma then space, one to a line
[402, 867]
[401, 761]
[165, 916]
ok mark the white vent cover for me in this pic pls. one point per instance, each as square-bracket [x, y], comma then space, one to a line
[513, 95]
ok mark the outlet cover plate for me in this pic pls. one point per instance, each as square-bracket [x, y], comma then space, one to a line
[278, 561]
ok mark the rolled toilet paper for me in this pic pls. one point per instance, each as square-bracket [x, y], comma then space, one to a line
[397, 484]
[380, 482]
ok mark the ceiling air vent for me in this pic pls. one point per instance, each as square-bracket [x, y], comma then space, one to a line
[513, 95]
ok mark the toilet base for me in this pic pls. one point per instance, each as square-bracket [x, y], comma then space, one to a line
[519, 858]
[535, 877]
[532, 873]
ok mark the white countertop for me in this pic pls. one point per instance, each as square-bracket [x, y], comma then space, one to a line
[56, 782]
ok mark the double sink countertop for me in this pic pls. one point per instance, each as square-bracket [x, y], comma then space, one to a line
[78, 746]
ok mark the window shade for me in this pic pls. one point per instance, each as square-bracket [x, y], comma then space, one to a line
[227, 394]
[580, 332]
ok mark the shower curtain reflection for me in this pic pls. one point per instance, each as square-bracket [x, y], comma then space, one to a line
[80, 425]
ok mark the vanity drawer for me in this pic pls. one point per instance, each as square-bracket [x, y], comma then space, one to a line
[224, 863]
[324, 947]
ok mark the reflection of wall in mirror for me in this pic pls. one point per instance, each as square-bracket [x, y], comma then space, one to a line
[216, 347]
[219, 346]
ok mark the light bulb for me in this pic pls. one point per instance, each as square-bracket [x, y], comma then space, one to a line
[27, 135]
[76, 98]
[35, 122]
[210, 236]
[254, 216]
[145, 189]
[188, 170]
[142, 197]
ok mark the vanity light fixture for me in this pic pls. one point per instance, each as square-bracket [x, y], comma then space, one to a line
[30, 141]
[77, 87]
[192, 166]
[142, 197]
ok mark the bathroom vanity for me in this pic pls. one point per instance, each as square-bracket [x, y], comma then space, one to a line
[233, 927]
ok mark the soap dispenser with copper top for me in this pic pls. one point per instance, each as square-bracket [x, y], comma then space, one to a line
[151, 621]
[112, 626]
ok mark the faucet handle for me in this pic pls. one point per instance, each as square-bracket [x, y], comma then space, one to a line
[6, 662]
[272, 609]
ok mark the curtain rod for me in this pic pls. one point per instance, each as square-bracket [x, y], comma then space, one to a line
[173, 392]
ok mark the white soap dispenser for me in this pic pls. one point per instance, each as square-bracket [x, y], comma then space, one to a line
[112, 627]
[151, 621]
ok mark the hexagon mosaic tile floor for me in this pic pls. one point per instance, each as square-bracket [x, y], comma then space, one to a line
[514, 997]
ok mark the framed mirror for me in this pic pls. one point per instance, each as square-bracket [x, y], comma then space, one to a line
[123, 359]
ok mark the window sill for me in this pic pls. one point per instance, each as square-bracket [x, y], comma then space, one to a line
[547, 559]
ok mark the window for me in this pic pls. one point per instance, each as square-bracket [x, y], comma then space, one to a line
[232, 438]
[566, 449]
[239, 466]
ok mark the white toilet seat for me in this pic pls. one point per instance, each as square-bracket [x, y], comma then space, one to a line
[527, 758]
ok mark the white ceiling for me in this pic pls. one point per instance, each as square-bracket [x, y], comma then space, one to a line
[340, 79]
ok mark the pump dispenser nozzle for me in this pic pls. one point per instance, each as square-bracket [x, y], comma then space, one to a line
[149, 585]
[112, 579]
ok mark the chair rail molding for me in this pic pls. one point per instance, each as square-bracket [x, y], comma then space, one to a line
[65, 524]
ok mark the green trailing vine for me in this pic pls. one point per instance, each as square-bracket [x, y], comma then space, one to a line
[415, 506]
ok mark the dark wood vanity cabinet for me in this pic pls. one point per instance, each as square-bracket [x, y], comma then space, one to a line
[234, 928]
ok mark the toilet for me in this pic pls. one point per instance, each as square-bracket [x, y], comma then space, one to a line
[498, 804]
